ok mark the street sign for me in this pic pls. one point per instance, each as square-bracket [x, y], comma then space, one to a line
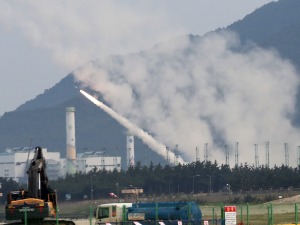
[230, 215]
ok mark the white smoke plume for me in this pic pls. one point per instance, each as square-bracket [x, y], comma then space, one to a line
[189, 94]
[74, 32]
[132, 128]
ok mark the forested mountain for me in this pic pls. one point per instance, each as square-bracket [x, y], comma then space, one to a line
[42, 120]
[276, 25]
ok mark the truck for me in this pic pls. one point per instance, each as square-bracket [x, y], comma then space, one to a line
[145, 213]
[39, 202]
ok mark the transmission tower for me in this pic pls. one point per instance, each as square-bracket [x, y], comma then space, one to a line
[286, 152]
[227, 155]
[237, 154]
[205, 152]
[175, 152]
[267, 154]
[298, 161]
[256, 156]
[168, 154]
[197, 155]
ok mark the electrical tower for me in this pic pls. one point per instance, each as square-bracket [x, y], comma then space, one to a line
[197, 155]
[227, 155]
[205, 152]
[168, 154]
[256, 156]
[286, 152]
[298, 161]
[237, 154]
[267, 154]
[175, 152]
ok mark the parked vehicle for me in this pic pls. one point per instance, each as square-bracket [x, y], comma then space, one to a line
[145, 212]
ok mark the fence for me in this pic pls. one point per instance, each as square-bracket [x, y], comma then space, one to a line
[262, 214]
[246, 214]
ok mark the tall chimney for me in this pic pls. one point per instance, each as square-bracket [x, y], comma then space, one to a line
[130, 150]
[71, 149]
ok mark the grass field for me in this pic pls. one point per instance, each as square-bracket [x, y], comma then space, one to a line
[258, 214]
[283, 212]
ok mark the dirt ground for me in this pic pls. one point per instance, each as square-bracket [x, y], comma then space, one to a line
[294, 199]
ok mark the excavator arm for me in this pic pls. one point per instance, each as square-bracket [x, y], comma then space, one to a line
[39, 201]
[38, 186]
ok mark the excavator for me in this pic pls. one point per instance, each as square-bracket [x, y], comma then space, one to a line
[38, 204]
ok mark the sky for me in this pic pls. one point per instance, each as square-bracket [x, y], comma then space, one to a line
[42, 41]
[38, 38]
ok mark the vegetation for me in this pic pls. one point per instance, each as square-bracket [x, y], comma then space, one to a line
[180, 181]
[196, 177]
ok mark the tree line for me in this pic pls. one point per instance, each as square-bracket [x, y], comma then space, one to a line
[196, 177]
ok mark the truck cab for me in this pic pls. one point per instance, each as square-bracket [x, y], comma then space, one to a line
[111, 212]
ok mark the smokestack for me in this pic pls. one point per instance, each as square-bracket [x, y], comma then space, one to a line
[130, 150]
[71, 150]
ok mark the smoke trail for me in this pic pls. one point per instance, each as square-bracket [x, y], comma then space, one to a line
[144, 136]
[191, 92]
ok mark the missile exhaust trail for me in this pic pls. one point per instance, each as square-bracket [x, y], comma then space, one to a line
[144, 136]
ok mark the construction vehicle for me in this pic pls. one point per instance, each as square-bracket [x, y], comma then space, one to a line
[37, 204]
[148, 213]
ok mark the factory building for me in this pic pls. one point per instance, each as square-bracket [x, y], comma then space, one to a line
[89, 161]
[14, 163]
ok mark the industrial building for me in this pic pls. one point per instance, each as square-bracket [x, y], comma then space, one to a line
[15, 162]
[88, 161]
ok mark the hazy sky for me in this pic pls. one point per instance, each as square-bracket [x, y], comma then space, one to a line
[38, 38]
